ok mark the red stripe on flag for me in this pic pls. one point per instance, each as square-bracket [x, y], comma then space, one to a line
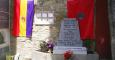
[16, 17]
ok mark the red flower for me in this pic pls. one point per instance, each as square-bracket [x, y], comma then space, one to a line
[68, 55]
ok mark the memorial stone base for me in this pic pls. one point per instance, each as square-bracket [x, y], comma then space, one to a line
[47, 56]
[69, 38]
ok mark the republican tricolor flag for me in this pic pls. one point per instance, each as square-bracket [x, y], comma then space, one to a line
[23, 18]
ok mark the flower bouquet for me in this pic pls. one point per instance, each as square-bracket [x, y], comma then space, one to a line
[68, 55]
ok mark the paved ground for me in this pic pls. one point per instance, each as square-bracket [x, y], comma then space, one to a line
[24, 47]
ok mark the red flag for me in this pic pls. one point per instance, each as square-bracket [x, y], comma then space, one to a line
[83, 11]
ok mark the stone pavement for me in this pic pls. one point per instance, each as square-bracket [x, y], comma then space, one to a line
[24, 48]
[41, 56]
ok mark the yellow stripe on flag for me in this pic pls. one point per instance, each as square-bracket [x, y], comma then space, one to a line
[23, 13]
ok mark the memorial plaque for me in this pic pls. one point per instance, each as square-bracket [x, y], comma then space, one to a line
[69, 33]
[69, 38]
[44, 18]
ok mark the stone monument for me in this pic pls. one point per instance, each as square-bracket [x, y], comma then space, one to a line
[69, 38]
[43, 20]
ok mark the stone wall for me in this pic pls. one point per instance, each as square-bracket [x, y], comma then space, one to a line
[111, 7]
[4, 47]
[4, 13]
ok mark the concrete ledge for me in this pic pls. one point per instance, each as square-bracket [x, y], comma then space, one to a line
[47, 56]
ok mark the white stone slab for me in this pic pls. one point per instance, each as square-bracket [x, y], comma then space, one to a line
[41, 56]
[75, 50]
[69, 38]
[47, 56]
[44, 17]
[77, 57]
[69, 33]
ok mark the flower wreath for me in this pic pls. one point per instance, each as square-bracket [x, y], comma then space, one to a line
[68, 55]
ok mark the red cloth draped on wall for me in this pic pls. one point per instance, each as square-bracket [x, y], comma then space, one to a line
[103, 39]
[83, 11]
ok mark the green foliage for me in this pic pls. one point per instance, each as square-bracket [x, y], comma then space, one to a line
[1, 38]
[43, 46]
[90, 44]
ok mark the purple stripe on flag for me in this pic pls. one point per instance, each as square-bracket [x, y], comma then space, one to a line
[30, 15]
